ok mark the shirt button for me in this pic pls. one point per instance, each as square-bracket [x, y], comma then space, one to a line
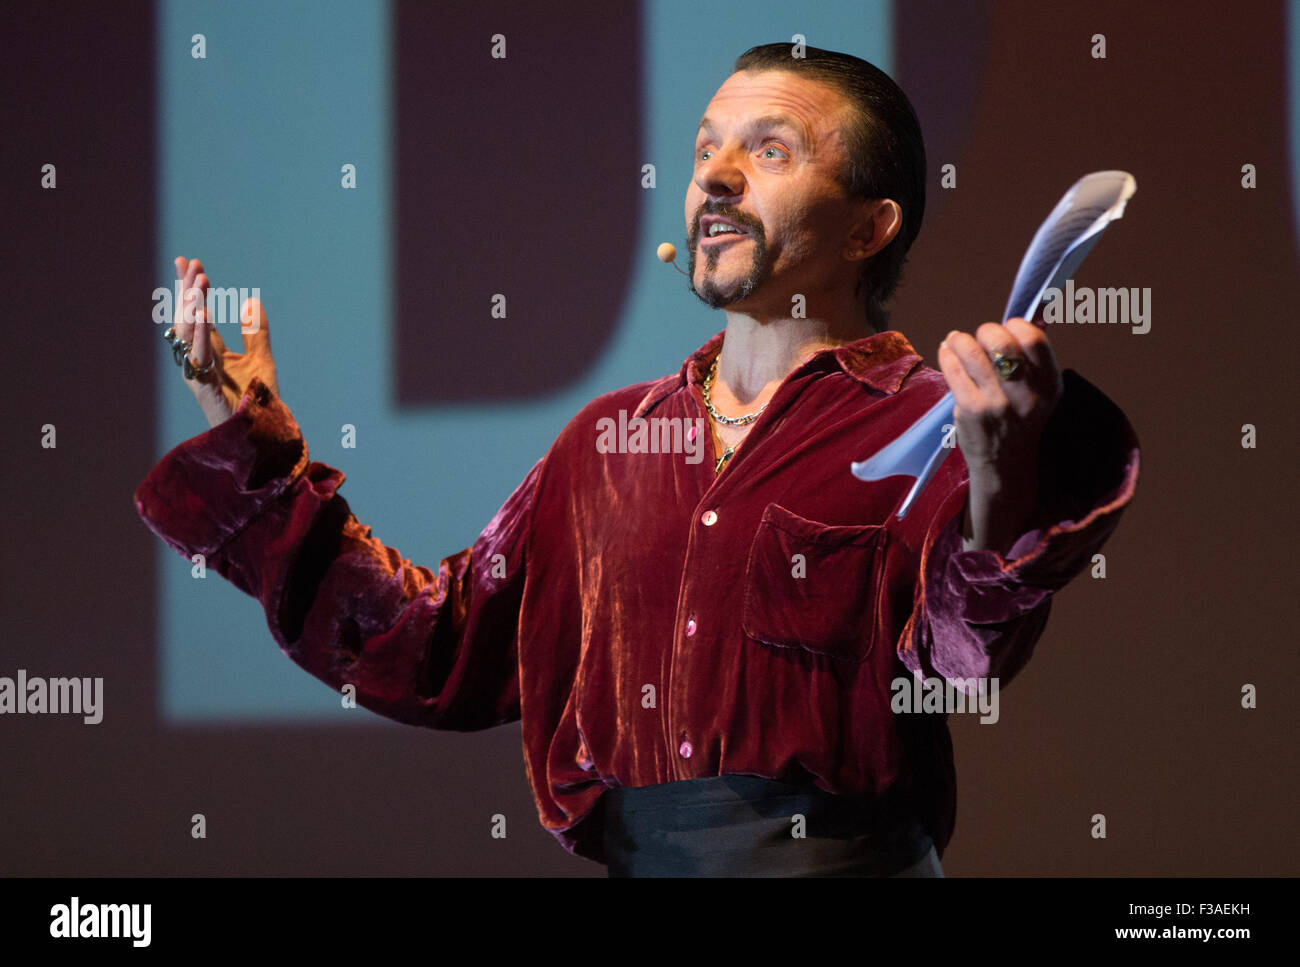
[684, 749]
[690, 627]
[710, 518]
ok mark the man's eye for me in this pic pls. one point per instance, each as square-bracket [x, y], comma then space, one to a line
[703, 154]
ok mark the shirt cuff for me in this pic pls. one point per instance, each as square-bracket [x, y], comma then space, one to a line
[207, 489]
[983, 609]
[1088, 469]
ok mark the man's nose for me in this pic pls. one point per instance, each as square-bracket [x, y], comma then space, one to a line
[720, 176]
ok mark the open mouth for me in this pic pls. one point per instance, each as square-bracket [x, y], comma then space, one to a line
[715, 230]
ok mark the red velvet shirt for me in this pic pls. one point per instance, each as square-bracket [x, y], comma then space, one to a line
[647, 620]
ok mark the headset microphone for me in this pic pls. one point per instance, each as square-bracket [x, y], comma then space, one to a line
[667, 252]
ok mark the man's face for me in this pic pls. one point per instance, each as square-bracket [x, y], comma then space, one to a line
[768, 156]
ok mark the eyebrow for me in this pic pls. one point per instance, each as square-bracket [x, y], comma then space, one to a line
[768, 121]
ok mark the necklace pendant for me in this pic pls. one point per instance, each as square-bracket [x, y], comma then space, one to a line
[722, 460]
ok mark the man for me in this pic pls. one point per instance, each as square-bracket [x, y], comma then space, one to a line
[703, 653]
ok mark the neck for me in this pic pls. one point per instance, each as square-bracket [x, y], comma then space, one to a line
[758, 354]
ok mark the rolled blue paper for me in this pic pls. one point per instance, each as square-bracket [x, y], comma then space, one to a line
[1056, 250]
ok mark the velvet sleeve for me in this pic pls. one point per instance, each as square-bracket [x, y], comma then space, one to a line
[981, 613]
[436, 648]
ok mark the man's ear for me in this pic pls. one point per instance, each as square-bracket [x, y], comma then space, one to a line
[879, 222]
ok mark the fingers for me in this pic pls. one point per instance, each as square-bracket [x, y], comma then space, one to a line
[205, 332]
[1017, 340]
[206, 347]
[967, 365]
[1033, 342]
[995, 339]
[195, 327]
[216, 342]
[971, 354]
[253, 325]
[188, 271]
[257, 343]
[964, 389]
[192, 272]
[206, 350]
[201, 351]
[196, 295]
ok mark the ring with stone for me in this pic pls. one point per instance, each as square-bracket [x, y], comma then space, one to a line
[1005, 365]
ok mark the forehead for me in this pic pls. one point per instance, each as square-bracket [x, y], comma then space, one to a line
[747, 95]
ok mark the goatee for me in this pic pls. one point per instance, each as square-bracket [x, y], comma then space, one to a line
[710, 292]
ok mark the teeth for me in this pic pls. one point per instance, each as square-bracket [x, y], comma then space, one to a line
[717, 228]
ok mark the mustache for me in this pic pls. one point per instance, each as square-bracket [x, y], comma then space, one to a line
[729, 212]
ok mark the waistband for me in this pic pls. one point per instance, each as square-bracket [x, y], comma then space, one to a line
[741, 825]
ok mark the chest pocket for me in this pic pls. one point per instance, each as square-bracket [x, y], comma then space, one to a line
[814, 586]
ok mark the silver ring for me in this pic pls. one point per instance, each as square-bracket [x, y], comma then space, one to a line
[179, 346]
[189, 371]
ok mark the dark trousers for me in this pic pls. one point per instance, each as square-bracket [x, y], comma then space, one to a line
[739, 825]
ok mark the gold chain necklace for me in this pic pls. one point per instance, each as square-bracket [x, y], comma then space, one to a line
[722, 417]
[748, 418]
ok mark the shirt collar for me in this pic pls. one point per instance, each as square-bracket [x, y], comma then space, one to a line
[882, 361]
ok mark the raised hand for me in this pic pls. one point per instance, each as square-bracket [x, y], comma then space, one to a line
[1000, 421]
[218, 390]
